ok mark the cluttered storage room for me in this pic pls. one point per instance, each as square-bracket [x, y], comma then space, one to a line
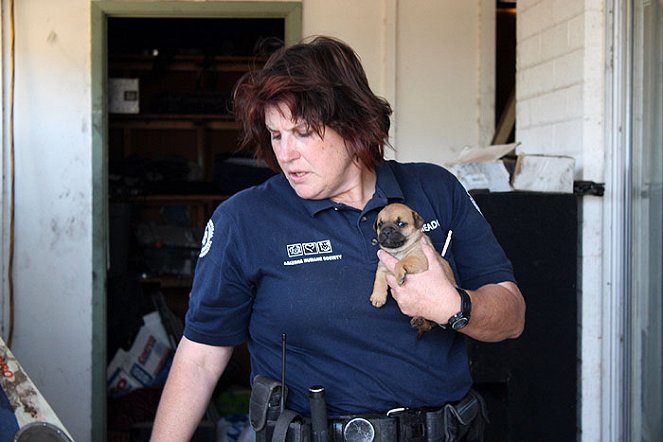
[173, 157]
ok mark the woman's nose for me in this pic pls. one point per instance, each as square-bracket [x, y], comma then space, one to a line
[287, 149]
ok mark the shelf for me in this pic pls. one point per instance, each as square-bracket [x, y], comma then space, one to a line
[174, 199]
[182, 132]
[168, 282]
[185, 63]
[173, 121]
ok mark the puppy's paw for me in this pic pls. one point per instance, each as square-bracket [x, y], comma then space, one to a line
[378, 299]
[416, 322]
[421, 324]
[400, 276]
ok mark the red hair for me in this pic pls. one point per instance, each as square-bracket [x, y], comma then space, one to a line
[324, 84]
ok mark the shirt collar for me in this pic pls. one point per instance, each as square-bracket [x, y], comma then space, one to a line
[387, 190]
[387, 183]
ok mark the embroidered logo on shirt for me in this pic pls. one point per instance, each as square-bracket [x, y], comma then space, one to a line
[307, 252]
[207, 238]
[309, 248]
[429, 226]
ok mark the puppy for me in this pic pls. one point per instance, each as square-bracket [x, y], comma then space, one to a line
[399, 232]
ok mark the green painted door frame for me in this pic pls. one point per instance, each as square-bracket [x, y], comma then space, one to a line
[101, 10]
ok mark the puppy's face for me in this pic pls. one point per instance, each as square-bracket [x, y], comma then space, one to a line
[398, 226]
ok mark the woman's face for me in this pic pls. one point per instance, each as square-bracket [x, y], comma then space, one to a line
[316, 167]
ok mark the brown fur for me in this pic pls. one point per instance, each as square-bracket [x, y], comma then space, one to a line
[399, 232]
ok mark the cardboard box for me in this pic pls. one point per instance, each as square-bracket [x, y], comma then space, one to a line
[493, 168]
[142, 365]
[483, 168]
[543, 173]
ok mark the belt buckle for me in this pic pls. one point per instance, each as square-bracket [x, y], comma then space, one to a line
[359, 429]
[396, 410]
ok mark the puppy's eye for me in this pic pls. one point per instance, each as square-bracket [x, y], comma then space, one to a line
[401, 223]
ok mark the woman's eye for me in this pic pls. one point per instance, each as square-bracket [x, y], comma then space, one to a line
[275, 136]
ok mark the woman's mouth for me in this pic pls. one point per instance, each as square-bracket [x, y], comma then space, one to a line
[297, 176]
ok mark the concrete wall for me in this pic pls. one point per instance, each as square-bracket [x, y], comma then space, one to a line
[428, 57]
[442, 68]
[433, 60]
[52, 242]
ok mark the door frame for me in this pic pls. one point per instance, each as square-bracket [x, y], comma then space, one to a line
[101, 10]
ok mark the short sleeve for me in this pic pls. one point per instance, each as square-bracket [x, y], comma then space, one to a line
[221, 297]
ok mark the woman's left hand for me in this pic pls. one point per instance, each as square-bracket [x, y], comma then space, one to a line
[498, 310]
[430, 294]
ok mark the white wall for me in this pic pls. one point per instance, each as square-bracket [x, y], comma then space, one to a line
[431, 59]
[360, 24]
[561, 111]
[52, 264]
[440, 74]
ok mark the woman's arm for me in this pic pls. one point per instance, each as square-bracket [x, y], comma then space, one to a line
[193, 376]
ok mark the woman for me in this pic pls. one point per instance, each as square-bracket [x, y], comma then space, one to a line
[297, 256]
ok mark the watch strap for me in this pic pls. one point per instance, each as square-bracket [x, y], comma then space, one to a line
[462, 318]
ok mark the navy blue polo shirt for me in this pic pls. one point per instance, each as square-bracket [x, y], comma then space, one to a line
[273, 263]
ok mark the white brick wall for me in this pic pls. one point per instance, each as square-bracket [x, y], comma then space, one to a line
[560, 94]
[556, 89]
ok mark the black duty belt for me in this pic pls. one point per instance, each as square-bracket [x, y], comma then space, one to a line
[405, 425]
[460, 421]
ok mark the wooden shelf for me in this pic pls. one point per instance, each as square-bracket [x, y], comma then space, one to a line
[201, 206]
[173, 121]
[196, 137]
[191, 136]
[168, 282]
[174, 199]
[185, 63]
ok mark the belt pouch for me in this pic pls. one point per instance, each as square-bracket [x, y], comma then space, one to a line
[466, 419]
[289, 427]
[264, 405]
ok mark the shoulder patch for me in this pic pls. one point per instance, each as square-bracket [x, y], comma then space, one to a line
[207, 238]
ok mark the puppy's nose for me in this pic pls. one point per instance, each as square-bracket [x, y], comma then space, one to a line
[387, 231]
[388, 235]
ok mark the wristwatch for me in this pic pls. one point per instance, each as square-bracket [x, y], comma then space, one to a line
[462, 318]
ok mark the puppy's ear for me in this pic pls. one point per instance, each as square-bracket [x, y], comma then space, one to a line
[375, 224]
[418, 220]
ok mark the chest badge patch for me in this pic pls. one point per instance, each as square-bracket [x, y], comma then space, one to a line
[309, 252]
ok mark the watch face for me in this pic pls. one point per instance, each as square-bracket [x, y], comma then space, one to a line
[460, 323]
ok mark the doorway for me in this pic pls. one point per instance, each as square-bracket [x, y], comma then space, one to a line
[164, 151]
